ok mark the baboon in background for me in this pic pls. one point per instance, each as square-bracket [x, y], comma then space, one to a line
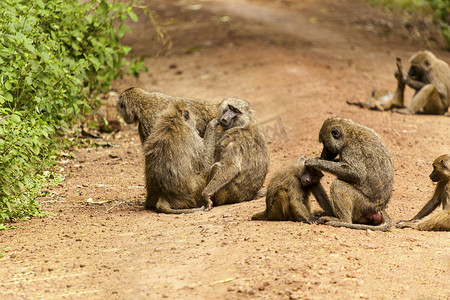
[430, 77]
[364, 173]
[288, 193]
[176, 162]
[138, 105]
[240, 155]
[384, 99]
[439, 221]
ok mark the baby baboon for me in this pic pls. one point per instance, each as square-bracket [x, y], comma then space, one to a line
[439, 221]
[176, 164]
[430, 77]
[138, 105]
[240, 155]
[364, 173]
[384, 99]
[288, 193]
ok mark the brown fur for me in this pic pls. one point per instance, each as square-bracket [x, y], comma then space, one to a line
[176, 162]
[430, 77]
[240, 154]
[364, 173]
[384, 99]
[288, 193]
[439, 221]
[138, 105]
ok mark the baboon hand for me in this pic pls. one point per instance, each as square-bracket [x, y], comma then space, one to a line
[208, 203]
[312, 162]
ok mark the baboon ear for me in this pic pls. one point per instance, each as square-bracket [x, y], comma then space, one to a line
[335, 132]
[186, 115]
[427, 63]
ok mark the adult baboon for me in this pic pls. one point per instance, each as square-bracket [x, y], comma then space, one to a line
[430, 77]
[384, 99]
[138, 105]
[240, 154]
[364, 173]
[439, 221]
[288, 193]
[176, 162]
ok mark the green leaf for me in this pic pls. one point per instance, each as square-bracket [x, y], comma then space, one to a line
[133, 16]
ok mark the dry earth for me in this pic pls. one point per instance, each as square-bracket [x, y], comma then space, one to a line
[296, 62]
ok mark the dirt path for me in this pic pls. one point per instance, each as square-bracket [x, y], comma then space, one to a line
[296, 62]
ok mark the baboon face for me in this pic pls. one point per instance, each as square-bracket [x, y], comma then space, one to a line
[124, 107]
[441, 171]
[420, 65]
[234, 112]
[310, 176]
[332, 136]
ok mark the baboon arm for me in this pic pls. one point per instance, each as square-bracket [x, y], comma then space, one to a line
[428, 208]
[414, 84]
[210, 139]
[322, 198]
[228, 168]
[342, 170]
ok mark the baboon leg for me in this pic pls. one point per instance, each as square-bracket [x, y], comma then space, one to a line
[163, 206]
[260, 216]
[439, 221]
[300, 212]
[341, 201]
[426, 99]
[150, 201]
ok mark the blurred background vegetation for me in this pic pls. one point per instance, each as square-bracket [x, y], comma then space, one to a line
[435, 12]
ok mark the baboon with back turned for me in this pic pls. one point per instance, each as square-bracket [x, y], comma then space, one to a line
[138, 105]
[240, 155]
[288, 193]
[176, 162]
[439, 221]
[364, 173]
[430, 78]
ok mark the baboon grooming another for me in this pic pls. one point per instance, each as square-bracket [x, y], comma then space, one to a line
[385, 100]
[430, 77]
[364, 173]
[439, 221]
[138, 105]
[176, 162]
[241, 157]
[288, 193]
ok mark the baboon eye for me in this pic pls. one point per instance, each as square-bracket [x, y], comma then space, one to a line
[336, 133]
[427, 63]
[443, 164]
[186, 115]
[234, 109]
[121, 105]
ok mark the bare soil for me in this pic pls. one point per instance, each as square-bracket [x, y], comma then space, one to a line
[296, 62]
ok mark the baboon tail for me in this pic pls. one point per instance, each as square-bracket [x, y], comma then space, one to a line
[385, 226]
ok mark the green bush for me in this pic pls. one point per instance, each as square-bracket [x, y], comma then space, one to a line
[54, 56]
[439, 9]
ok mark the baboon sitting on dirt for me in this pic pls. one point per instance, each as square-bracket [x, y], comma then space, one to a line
[439, 221]
[176, 162]
[138, 105]
[288, 193]
[364, 173]
[430, 77]
[240, 155]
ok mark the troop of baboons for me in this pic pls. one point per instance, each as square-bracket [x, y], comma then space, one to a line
[199, 155]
